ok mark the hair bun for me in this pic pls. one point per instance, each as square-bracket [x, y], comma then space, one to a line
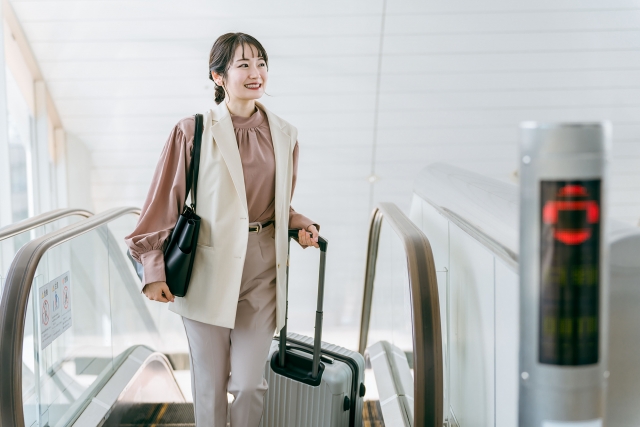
[219, 94]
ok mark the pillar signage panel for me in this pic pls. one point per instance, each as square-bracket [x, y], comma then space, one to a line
[569, 272]
[563, 274]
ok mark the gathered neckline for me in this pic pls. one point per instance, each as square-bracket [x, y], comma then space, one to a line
[253, 121]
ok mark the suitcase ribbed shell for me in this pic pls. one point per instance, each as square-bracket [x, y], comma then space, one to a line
[289, 403]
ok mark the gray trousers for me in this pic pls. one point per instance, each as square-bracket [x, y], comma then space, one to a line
[232, 360]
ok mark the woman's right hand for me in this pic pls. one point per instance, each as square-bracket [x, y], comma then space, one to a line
[158, 291]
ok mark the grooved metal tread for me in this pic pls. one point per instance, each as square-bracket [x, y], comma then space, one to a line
[181, 415]
[372, 414]
[150, 414]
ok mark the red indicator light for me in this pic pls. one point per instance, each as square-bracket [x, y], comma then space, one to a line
[577, 212]
[572, 190]
[572, 237]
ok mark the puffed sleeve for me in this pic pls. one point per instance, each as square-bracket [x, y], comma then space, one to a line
[164, 203]
[297, 220]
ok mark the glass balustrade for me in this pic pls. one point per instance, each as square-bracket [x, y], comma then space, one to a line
[391, 312]
[85, 311]
[10, 246]
[400, 335]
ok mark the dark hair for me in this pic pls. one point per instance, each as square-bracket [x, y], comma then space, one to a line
[222, 53]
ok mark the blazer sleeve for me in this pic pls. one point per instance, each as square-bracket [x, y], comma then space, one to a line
[164, 203]
[297, 220]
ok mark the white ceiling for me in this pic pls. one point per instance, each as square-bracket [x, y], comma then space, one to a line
[449, 81]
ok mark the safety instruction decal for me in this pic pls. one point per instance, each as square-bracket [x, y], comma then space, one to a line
[55, 309]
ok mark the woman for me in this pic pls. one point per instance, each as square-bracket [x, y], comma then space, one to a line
[236, 296]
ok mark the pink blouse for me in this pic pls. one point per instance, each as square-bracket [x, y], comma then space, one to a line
[166, 197]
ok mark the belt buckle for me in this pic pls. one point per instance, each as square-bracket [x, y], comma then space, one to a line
[255, 228]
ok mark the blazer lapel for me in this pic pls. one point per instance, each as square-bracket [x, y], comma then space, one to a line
[225, 138]
[282, 152]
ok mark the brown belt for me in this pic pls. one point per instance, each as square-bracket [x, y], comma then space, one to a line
[259, 227]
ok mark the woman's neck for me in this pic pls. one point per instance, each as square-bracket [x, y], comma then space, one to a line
[242, 108]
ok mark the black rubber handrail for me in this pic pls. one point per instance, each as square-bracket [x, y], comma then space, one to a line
[13, 308]
[427, 333]
[40, 220]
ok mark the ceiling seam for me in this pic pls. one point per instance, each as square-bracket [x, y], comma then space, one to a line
[372, 176]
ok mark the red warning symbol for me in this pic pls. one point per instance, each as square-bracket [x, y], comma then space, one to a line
[45, 312]
[571, 215]
[65, 297]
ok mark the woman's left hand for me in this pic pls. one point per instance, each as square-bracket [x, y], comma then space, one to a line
[305, 240]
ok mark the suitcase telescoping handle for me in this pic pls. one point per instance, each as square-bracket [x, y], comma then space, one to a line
[322, 242]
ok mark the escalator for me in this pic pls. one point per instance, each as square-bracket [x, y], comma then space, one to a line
[80, 345]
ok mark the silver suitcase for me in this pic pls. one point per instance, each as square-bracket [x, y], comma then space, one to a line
[312, 383]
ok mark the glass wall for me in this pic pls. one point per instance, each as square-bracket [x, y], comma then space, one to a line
[19, 121]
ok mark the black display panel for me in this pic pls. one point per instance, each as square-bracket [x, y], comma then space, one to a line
[569, 272]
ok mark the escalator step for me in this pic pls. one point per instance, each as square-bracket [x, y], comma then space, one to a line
[164, 414]
[372, 414]
[181, 414]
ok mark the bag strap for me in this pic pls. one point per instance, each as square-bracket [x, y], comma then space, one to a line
[192, 180]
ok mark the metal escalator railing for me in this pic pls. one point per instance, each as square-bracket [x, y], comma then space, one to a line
[40, 220]
[15, 300]
[425, 307]
[13, 236]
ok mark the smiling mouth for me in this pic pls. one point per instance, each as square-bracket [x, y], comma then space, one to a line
[253, 86]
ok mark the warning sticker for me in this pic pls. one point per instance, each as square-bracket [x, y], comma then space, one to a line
[55, 309]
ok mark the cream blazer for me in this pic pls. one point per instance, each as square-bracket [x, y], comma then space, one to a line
[222, 206]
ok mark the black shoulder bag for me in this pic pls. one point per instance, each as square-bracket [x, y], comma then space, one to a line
[181, 250]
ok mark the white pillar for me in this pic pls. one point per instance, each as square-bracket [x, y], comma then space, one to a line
[43, 184]
[61, 167]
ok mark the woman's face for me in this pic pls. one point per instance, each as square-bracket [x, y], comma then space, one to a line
[247, 75]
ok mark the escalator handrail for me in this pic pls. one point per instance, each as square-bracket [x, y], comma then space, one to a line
[431, 187]
[427, 335]
[40, 220]
[13, 308]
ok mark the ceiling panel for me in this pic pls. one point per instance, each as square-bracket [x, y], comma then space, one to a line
[336, 103]
[539, 22]
[559, 80]
[149, 10]
[524, 43]
[153, 139]
[512, 99]
[192, 48]
[150, 119]
[203, 28]
[501, 6]
[503, 116]
[198, 68]
[167, 88]
[513, 62]
[49, 50]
